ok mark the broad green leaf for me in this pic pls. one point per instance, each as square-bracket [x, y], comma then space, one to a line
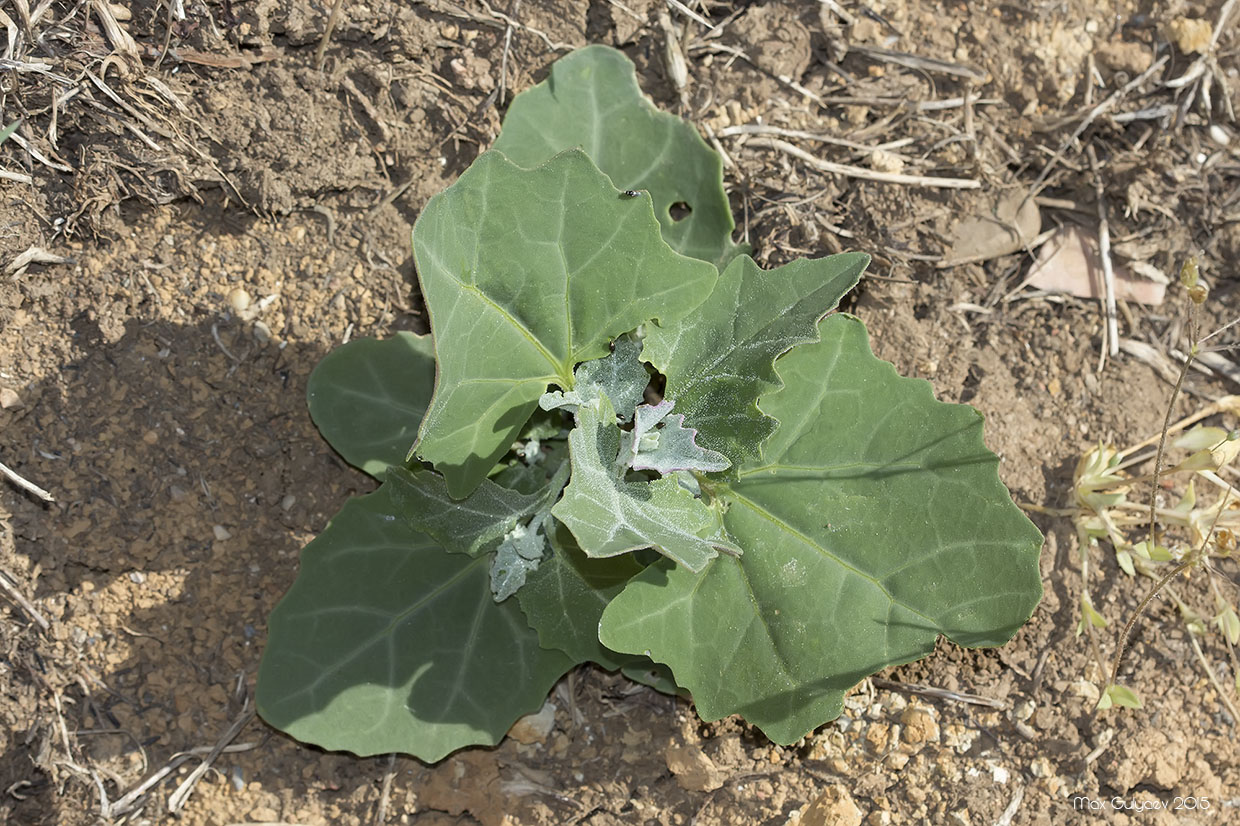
[875, 522]
[720, 359]
[591, 100]
[472, 525]
[526, 273]
[387, 643]
[656, 675]
[368, 397]
[564, 599]
[609, 516]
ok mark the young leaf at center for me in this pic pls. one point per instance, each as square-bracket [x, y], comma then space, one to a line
[609, 515]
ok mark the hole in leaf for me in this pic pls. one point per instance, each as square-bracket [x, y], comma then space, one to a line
[679, 211]
[657, 387]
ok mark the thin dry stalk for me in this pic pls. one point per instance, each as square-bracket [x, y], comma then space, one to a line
[1121, 645]
[763, 129]
[132, 799]
[7, 581]
[1013, 807]
[503, 63]
[690, 13]
[925, 64]
[939, 693]
[321, 52]
[1108, 271]
[177, 799]
[25, 484]
[385, 793]
[865, 174]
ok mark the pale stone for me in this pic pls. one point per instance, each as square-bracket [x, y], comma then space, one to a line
[693, 768]
[534, 728]
[834, 807]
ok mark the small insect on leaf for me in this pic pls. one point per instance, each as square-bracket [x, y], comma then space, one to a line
[632, 193]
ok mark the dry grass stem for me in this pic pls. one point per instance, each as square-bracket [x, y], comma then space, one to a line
[864, 174]
[321, 52]
[7, 583]
[176, 800]
[939, 693]
[763, 129]
[25, 484]
[1108, 271]
[1213, 362]
[385, 792]
[133, 799]
[1166, 369]
[690, 13]
[925, 64]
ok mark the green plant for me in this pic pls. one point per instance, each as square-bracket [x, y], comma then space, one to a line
[1196, 534]
[640, 450]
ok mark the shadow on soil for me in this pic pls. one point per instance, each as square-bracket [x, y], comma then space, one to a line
[187, 475]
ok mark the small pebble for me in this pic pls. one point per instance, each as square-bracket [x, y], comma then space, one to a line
[137, 577]
[239, 300]
[1190, 34]
[221, 533]
[288, 501]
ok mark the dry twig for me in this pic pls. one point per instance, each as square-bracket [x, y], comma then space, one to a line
[321, 52]
[865, 174]
[132, 799]
[1104, 251]
[925, 64]
[177, 799]
[385, 793]
[25, 484]
[938, 693]
[1106, 105]
[7, 583]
